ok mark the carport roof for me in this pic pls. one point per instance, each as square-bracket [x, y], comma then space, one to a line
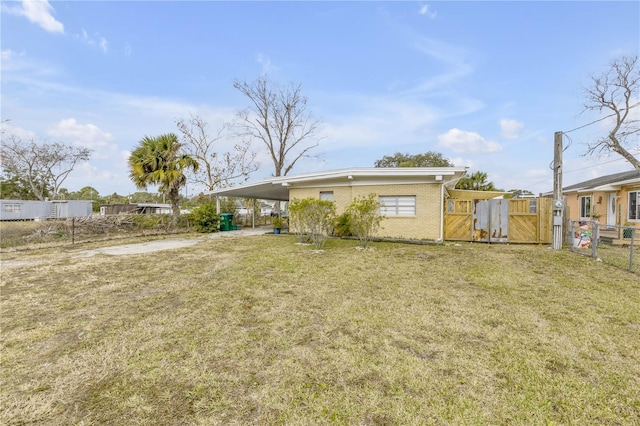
[277, 188]
[265, 190]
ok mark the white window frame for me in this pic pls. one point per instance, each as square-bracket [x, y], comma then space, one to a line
[13, 208]
[586, 206]
[326, 195]
[634, 203]
[397, 205]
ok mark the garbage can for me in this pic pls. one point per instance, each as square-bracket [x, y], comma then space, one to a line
[225, 221]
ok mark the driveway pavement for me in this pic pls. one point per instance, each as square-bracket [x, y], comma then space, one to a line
[146, 247]
[169, 243]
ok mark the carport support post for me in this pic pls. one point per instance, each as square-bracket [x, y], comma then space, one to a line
[557, 191]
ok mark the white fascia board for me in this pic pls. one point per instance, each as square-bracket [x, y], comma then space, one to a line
[376, 172]
[604, 188]
[629, 182]
[361, 182]
[615, 186]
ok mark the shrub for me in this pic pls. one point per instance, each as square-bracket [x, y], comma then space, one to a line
[312, 218]
[342, 226]
[152, 221]
[205, 218]
[364, 218]
[297, 220]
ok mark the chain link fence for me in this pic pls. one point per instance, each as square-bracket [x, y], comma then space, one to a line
[17, 234]
[611, 244]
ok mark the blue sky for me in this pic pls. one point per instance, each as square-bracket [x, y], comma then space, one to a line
[485, 83]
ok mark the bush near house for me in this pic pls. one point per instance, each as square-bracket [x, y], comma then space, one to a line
[205, 218]
[312, 219]
[342, 227]
[364, 218]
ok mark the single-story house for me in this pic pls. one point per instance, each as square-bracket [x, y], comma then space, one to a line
[612, 199]
[412, 198]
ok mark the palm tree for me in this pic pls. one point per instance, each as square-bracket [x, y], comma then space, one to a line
[476, 182]
[157, 161]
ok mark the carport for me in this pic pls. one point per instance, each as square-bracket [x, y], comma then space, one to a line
[271, 189]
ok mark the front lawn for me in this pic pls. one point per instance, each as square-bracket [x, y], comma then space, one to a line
[259, 330]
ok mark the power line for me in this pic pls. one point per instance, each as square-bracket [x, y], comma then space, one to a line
[574, 170]
[600, 119]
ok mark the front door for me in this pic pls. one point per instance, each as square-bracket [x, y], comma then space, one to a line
[611, 209]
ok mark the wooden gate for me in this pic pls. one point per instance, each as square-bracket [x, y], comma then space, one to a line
[490, 221]
[523, 220]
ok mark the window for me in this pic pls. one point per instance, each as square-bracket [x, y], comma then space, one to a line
[634, 205]
[398, 205]
[326, 195]
[12, 208]
[585, 206]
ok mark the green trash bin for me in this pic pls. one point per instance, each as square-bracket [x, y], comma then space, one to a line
[225, 221]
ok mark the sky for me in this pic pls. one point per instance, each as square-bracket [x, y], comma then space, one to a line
[484, 83]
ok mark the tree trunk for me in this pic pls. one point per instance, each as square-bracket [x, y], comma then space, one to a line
[174, 196]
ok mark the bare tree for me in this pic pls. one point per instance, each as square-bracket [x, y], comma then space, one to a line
[44, 166]
[615, 91]
[278, 117]
[217, 169]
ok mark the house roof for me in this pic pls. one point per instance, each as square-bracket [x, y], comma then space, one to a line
[606, 183]
[277, 188]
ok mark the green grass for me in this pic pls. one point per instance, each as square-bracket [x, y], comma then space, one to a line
[258, 330]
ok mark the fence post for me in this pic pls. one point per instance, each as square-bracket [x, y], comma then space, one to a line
[594, 238]
[73, 231]
[633, 233]
[572, 236]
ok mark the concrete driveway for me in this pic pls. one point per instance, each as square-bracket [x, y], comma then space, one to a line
[146, 247]
[169, 243]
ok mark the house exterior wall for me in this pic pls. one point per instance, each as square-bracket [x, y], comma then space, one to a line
[573, 204]
[623, 202]
[599, 201]
[426, 224]
[24, 209]
[29, 209]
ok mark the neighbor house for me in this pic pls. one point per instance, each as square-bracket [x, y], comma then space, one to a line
[412, 199]
[43, 210]
[612, 199]
[135, 208]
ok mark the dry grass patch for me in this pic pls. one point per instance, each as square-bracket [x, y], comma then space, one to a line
[259, 330]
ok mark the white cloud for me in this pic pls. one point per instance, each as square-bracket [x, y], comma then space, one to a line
[38, 12]
[378, 122]
[18, 131]
[426, 11]
[462, 162]
[462, 141]
[7, 54]
[511, 129]
[104, 44]
[267, 65]
[96, 40]
[88, 135]
[453, 57]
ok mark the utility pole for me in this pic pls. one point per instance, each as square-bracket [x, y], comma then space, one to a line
[558, 202]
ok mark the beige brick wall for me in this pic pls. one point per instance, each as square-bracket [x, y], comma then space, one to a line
[424, 225]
